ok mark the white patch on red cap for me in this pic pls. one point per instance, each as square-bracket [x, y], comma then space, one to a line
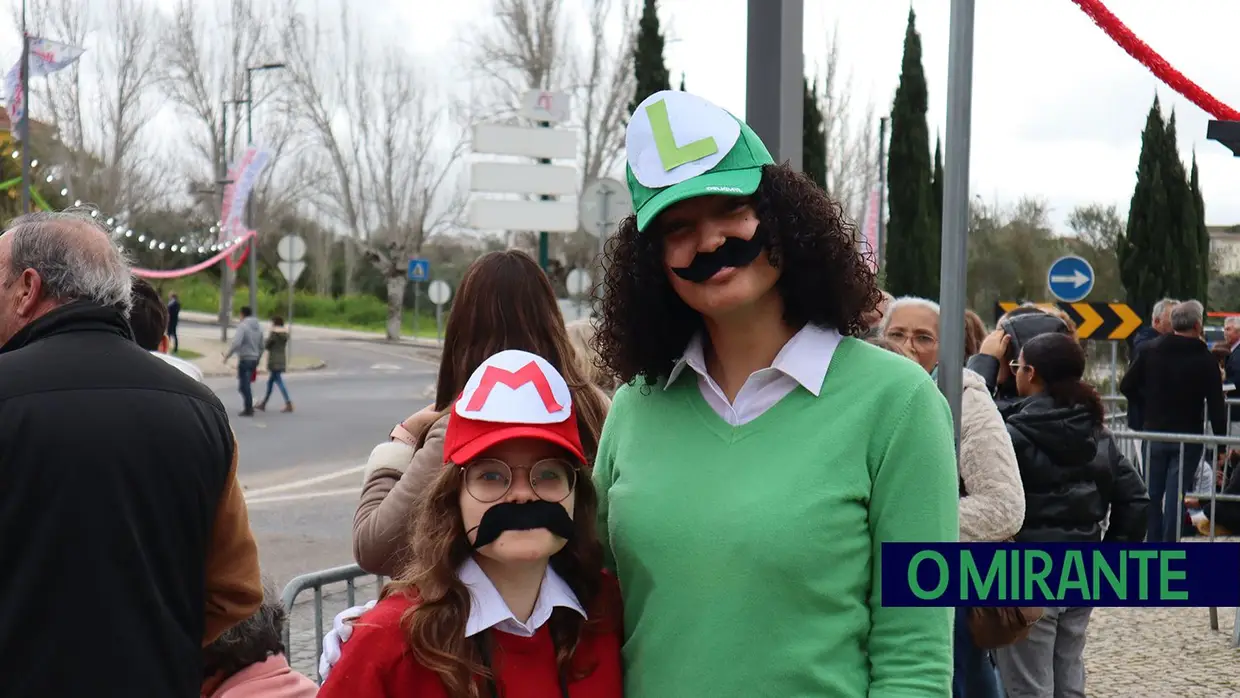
[515, 387]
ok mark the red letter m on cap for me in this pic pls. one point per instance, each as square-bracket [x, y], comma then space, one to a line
[528, 373]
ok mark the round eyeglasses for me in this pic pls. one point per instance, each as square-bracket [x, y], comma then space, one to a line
[488, 480]
[921, 340]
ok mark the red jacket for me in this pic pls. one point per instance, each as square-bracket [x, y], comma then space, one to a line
[376, 662]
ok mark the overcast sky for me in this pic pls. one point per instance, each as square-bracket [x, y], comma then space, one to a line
[1057, 107]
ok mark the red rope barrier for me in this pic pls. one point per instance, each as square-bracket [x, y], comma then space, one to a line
[1158, 65]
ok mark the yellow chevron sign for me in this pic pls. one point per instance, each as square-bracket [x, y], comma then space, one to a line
[1114, 321]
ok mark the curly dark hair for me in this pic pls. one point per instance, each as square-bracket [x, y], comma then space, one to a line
[824, 278]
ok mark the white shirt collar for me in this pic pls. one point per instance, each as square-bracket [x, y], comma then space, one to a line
[805, 358]
[487, 609]
[182, 365]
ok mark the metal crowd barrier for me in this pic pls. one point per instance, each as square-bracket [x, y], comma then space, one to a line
[347, 574]
[1141, 441]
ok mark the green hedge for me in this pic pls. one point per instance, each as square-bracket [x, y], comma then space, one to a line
[352, 312]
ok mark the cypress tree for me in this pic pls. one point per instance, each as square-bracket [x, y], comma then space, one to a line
[813, 137]
[648, 66]
[1183, 212]
[1200, 232]
[1146, 257]
[912, 245]
[936, 188]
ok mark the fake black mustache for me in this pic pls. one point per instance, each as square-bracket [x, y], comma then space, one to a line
[523, 516]
[734, 252]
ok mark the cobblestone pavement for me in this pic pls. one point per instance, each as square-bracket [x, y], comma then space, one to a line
[1161, 652]
[1131, 652]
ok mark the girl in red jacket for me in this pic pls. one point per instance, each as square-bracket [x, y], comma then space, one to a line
[506, 596]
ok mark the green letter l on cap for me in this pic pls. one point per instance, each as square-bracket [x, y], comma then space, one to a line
[671, 154]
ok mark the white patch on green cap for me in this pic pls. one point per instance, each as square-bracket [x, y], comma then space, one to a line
[675, 136]
[680, 147]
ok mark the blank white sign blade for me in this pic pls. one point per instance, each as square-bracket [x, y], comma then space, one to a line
[542, 216]
[523, 178]
[525, 141]
[291, 270]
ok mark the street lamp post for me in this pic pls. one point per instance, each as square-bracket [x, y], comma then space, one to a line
[249, 140]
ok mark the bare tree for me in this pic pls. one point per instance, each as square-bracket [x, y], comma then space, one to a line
[373, 117]
[852, 155]
[101, 104]
[603, 91]
[523, 47]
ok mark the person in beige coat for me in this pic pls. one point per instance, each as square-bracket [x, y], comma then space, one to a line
[992, 497]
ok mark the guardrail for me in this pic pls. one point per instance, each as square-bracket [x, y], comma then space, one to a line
[1142, 440]
[346, 574]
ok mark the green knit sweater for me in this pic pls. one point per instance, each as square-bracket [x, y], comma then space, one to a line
[748, 556]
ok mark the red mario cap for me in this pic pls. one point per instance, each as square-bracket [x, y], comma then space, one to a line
[513, 394]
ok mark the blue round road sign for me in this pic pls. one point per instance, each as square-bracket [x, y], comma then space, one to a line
[1070, 279]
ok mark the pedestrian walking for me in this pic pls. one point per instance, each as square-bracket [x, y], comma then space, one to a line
[277, 362]
[174, 318]
[119, 499]
[247, 344]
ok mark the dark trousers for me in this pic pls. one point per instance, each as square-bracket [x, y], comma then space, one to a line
[172, 334]
[1169, 476]
[975, 674]
[245, 371]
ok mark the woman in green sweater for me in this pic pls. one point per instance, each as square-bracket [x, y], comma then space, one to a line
[759, 454]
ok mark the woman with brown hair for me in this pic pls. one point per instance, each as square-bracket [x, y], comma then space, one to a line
[505, 302]
[505, 594]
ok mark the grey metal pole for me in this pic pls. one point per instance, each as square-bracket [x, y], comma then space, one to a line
[775, 69]
[24, 126]
[226, 272]
[882, 192]
[249, 200]
[289, 347]
[956, 206]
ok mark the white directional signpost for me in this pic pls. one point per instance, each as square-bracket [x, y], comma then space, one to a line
[292, 250]
[543, 179]
[578, 283]
[439, 292]
[1070, 279]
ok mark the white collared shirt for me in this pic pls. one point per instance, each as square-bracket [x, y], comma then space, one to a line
[487, 609]
[803, 361]
[182, 365]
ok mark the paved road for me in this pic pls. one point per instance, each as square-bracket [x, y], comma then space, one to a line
[302, 471]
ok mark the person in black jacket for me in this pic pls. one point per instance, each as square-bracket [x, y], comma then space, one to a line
[1055, 432]
[1173, 377]
[1001, 347]
[124, 539]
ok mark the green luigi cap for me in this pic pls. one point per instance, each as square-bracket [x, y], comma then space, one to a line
[680, 146]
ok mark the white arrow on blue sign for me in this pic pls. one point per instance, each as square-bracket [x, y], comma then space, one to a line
[1070, 279]
[419, 269]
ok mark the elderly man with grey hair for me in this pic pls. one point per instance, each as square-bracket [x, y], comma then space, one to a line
[1160, 324]
[1231, 367]
[1173, 378]
[118, 484]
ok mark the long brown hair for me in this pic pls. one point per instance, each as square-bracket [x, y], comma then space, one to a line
[506, 302]
[435, 627]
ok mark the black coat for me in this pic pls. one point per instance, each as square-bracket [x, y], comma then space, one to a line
[1066, 485]
[112, 465]
[1173, 379]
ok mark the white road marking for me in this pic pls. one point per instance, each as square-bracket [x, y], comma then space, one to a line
[385, 367]
[299, 484]
[304, 495]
